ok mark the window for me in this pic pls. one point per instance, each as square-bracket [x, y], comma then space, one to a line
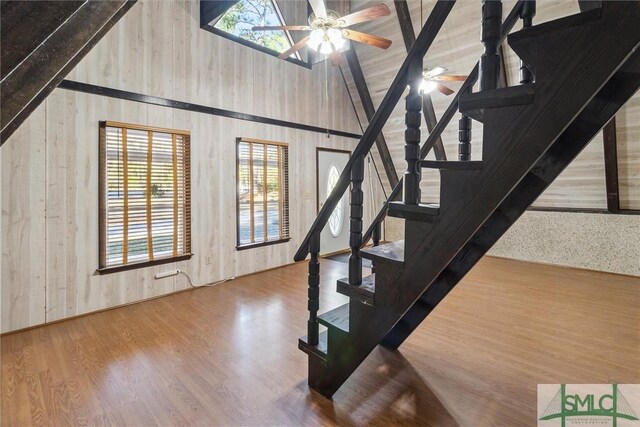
[262, 192]
[145, 200]
[245, 14]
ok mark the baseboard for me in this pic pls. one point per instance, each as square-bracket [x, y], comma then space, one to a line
[64, 319]
[591, 270]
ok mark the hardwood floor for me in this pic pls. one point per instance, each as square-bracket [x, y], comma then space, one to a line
[227, 355]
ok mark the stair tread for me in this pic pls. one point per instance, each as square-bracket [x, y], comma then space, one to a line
[365, 292]
[495, 98]
[393, 251]
[336, 318]
[563, 23]
[451, 164]
[420, 212]
[525, 43]
[320, 350]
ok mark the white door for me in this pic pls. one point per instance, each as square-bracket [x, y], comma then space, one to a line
[335, 236]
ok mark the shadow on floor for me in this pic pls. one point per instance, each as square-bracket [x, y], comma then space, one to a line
[344, 257]
[385, 390]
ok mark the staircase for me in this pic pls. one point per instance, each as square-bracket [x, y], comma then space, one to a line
[576, 73]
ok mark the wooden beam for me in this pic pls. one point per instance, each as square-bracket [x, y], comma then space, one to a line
[609, 138]
[210, 10]
[409, 37]
[198, 108]
[43, 66]
[369, 110]
[586, 5]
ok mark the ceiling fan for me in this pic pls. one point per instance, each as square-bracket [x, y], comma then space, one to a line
[329, 30]
[432, 78]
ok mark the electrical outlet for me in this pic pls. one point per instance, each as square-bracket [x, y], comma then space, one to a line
[207, 260]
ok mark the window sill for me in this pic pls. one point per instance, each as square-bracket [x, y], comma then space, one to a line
[258, 245]
[136, 265]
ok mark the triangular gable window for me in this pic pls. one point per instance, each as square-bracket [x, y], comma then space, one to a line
[245, 14]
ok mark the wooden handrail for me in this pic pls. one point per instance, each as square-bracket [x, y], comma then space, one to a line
[426, 37]
[506, 28]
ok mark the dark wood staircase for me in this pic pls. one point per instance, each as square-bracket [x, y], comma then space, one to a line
[586, 66]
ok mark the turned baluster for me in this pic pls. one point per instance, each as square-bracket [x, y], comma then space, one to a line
[464, 138]
[375, 237]
[313, 304]
[413, 106]
[376, 234]
[355, 233]
[527, 12]
[491, 32]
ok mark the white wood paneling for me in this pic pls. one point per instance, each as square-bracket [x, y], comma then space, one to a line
[628, 132]
[50, 165]
[23, 225]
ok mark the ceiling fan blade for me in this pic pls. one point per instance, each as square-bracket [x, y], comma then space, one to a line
[296, 47]
[282, 27]
[448, 78]
[443, 89]
[319, 8]
[369, 39]
[368, 14]
[434, 72]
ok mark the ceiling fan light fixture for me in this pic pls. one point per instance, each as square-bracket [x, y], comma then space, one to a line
[335, 37]
[325, 40]
[325, 48]
[436, 71]
[316, 38]
[428, 86]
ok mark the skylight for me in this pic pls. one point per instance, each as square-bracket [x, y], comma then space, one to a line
[245, 14]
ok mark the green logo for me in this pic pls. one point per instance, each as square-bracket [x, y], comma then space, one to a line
[565, 405]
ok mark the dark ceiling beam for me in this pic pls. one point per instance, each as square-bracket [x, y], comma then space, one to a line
[369, 110]
[409, 37]
[609, 137]
[587, 5]
[39, 62]
[211, 10]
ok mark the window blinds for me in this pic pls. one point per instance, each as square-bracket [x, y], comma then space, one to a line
[262, 192]
[145, 194]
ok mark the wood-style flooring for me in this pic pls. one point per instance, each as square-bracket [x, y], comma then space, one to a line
[227, 355]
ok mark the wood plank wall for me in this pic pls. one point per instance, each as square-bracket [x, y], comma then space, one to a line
[50, 166]
[457, 48]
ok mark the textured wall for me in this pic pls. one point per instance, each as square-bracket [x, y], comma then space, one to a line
[601, 242]
[594, 241]
[49, 194]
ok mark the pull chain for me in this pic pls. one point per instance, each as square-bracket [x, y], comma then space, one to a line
[326, 76]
